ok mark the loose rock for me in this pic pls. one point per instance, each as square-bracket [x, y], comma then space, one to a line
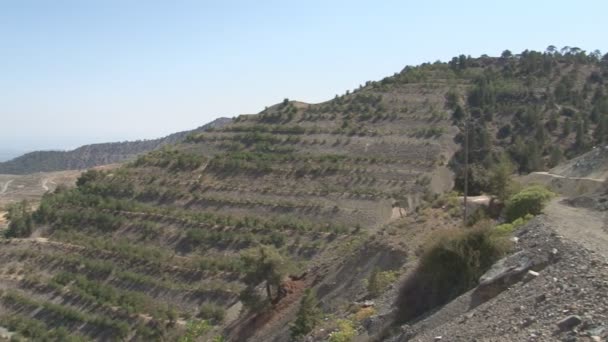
[569, 322]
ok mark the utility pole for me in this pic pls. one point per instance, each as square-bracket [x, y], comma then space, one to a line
[466, 166]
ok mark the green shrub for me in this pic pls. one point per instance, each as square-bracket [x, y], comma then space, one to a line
[345, 333]
[21, 222]
[530, 200]
[89, 177]
[508, 228]
[452, 262]
[309, 315]
[379, 280]
[195, 329]
[209, 311]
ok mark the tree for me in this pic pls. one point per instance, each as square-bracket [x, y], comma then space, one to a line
[21, 223]
[451, 99]
[458, 114]
[552, 123]
[309, 315]
[551, 49]
[500, 178]
[581, 139]
[576, 50]
[534, 161]
[88, 177]
[601, 130]
[567, 128]
[264, 264]
[555, 155]
[506, 54]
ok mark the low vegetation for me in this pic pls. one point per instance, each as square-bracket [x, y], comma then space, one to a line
[308, 316]
[451, 263]
[529, 201]
[31, 329]
[212, 313]
[345, 333]
[20, 218]
[379, 280]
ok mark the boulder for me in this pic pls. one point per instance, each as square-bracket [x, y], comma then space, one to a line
[506, 272]
[569, 322]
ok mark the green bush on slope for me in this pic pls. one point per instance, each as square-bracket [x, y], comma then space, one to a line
[309, 315]
[21, 223]
[451, 264]
[528, 201]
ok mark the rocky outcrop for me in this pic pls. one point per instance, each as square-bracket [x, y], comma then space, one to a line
[507, 272]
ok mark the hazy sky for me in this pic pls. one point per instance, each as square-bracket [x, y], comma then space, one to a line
[82, 71]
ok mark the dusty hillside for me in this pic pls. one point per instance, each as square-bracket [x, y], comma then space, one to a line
[15, 188]
[162, 247]
[581, 175]
[89, 156]
[593, 164]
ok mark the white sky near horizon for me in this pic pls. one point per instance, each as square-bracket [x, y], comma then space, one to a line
[78, 72]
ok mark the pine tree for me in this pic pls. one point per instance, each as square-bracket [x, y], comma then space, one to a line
[21, 223]
[552, 122]
[265, 264]
[308, 316]
[500, 178]
[601, 131]
[567, 128]
[555, 155]
[458, 114]
[580, 142]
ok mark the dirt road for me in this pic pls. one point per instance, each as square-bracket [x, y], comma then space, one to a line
[5, 187]
[586, 227]
[565, 186]
[564, 177]
[45, 182]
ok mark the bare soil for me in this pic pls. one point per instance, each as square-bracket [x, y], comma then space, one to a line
[583, 226]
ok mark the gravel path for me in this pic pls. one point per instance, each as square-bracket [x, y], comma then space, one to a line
[580, 225]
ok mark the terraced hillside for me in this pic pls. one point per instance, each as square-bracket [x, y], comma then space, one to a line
[180, 242]
[161, 237]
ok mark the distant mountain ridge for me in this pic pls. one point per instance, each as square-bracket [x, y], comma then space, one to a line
[88, 156]
[8, 154]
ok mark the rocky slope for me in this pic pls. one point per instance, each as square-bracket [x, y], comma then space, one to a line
[559, 294]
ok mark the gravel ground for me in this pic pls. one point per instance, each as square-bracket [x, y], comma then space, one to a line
[565, 301]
